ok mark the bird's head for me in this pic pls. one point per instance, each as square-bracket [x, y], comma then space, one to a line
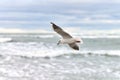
[78, 40]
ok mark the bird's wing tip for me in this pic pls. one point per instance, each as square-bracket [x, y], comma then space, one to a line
[51, 22]
[76, 49]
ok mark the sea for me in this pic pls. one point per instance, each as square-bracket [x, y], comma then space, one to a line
[36, 56]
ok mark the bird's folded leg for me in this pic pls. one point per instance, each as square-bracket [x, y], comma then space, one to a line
[58, 43]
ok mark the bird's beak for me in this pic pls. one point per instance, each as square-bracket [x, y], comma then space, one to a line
[58, 43]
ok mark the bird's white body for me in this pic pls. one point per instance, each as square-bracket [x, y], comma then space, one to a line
[71, 40]
[67, 41]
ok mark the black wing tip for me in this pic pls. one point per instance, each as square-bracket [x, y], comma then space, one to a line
[76, 48]
[52, 23]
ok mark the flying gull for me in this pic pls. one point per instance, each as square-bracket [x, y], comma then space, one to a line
[66, 38]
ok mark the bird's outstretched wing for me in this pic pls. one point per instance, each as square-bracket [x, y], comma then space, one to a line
[74, 46]
[60, 31]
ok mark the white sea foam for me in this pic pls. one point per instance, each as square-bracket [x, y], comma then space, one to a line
[45, 49]
[5, 39]
[53, 53]
[41, 50]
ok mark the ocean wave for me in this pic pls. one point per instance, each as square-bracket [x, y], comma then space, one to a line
[68, 54]
[46, 36]
[5, 39]
[89, 53]
[35, 36]
[42, 49]
[99, 36]
[102, 52]
[56, 52]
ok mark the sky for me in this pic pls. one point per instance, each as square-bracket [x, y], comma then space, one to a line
[80, 14]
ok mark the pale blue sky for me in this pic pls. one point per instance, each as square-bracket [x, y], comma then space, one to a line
[37, 14]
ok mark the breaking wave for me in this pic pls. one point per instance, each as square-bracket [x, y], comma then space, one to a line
[5, 39]
[48, 50]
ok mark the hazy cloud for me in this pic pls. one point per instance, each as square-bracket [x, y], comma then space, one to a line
[73, 13]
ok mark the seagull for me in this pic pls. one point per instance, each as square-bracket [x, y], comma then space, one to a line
[66, 38]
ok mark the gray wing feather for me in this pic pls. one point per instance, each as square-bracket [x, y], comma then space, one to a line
[60, 31]
[74, 46]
